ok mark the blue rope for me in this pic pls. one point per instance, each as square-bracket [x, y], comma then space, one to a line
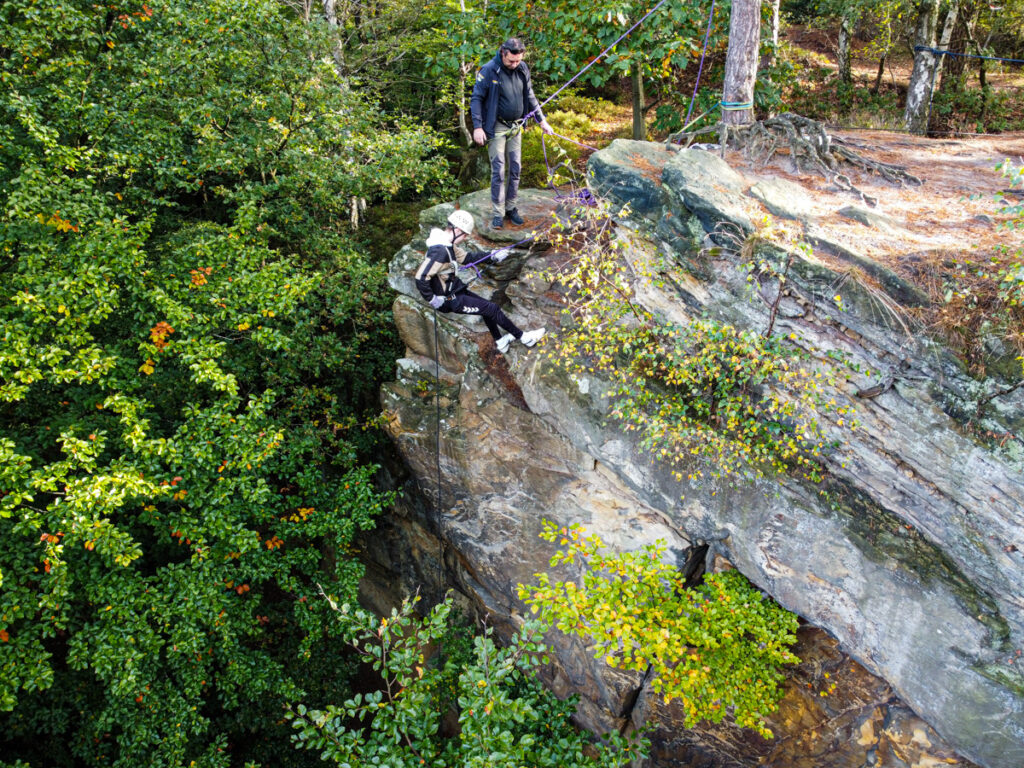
[735, 105]
[941, 52]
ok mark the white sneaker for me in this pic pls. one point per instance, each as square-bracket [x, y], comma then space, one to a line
[504, 342]
[532, 337]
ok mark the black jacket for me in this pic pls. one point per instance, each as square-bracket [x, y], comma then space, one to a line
[444, 282]
[483, 105]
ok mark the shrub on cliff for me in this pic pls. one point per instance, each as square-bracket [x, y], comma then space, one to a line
[717, 648]
[498, 715]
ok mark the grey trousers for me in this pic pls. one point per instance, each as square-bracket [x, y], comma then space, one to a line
[505, 142]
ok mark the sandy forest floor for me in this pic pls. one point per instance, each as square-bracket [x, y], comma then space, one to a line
[956, 208]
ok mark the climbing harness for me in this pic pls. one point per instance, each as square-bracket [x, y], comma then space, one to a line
[515, 127]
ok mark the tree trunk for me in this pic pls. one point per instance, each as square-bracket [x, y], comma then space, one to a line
[464, 70]
[955, 68]
[773, 33]
[881, 71]
[741, 61]
[915, 117]
[952, 69]
[460, 96]
[338, 52]
[639, 126]
[947, 34]
[846, 24]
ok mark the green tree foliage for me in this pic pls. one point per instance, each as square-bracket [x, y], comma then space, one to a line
[506, 719]
[662, 47]
[718, 648]
[188, 346]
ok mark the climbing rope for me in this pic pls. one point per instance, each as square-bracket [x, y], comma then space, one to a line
[703, 53]
[597, 58]
[580, 193]
[437, 445]
[940, 52]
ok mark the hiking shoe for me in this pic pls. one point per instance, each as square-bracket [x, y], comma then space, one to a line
[497, 223]
[514, 217]
[503, 343]
[532, 337]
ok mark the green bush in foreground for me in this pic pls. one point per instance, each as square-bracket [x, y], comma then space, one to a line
[506, 719]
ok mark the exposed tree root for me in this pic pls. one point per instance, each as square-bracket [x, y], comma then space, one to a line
[808, 145]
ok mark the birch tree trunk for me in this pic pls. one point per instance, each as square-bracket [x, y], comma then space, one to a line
[775, 22]
[338, 52]
[741, 61]
[947, 33]
[846, 23]
[773, 33]
[639, 126]
[915, 117]
[954, 70]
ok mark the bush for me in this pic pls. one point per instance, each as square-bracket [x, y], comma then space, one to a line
[505, 717]
[718, 648]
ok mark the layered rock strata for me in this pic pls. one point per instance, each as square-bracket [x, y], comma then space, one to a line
[912, 561]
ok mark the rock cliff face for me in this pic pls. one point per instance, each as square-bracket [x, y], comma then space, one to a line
[909, 573]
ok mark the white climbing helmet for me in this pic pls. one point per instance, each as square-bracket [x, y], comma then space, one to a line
[462, 220]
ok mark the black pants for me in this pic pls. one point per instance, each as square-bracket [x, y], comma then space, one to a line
[468, 303]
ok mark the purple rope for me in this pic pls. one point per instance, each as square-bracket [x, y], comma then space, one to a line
[584, 195]
[490, 253]
[596, 59]
[700, 69]
[578, 144]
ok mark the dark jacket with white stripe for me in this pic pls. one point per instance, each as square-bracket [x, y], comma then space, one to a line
[483, 105]
[437, 276]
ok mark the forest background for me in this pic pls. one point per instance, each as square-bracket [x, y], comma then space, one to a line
[198, 204]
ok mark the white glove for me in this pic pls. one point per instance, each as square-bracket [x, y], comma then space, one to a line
[436, 302]
[499, 256]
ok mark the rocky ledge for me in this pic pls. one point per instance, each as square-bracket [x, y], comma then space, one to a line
[909, 573]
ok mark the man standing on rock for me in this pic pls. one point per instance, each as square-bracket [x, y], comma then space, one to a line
[502, 99]
[441, 288]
